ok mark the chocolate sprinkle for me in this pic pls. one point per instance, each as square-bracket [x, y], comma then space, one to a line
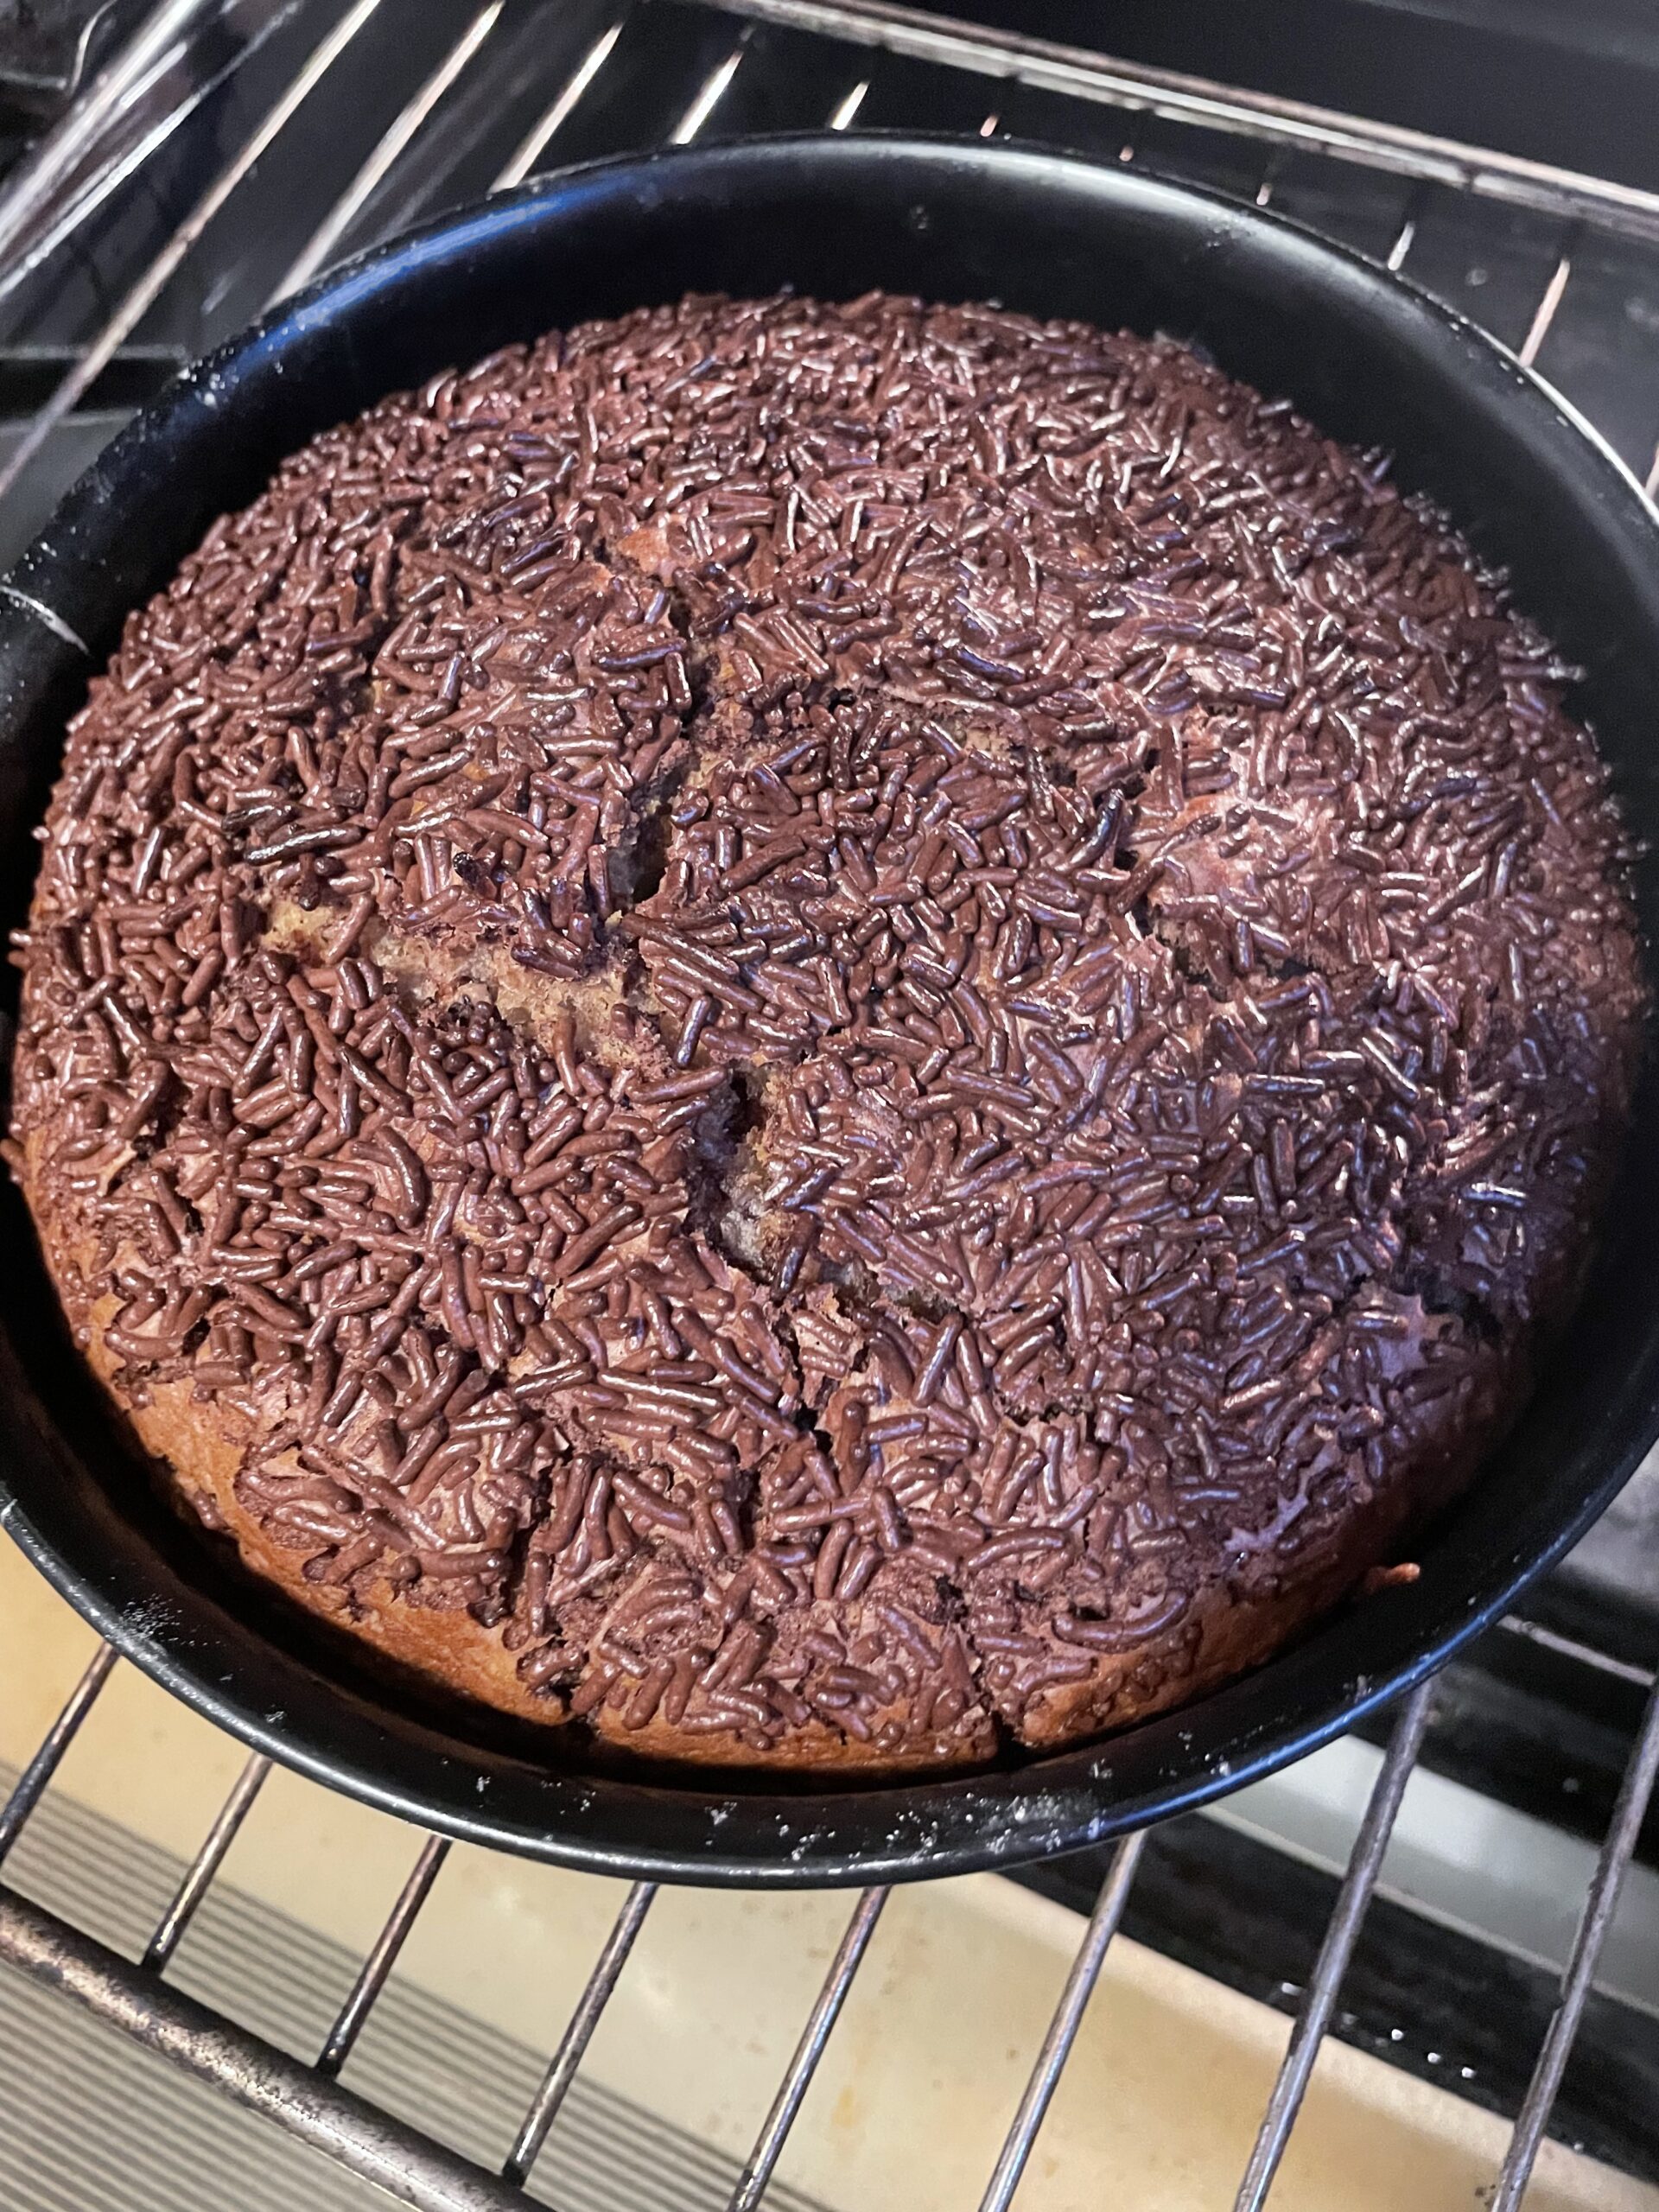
[843, 1018]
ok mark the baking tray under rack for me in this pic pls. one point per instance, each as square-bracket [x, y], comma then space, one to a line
[233, 149]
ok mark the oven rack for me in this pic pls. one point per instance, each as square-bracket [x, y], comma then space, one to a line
[116, 256]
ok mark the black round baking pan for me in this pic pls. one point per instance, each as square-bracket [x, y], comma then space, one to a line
[1373, 362]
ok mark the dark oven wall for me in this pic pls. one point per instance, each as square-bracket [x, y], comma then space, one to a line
[1571, 82]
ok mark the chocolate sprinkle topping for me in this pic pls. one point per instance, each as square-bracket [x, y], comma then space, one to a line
[860, 1026]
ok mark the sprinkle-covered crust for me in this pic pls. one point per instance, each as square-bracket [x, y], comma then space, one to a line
[827, 1033]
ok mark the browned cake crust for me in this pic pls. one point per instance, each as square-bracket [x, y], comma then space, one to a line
[824, 1033]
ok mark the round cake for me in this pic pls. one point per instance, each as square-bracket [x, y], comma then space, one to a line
[828, 1035]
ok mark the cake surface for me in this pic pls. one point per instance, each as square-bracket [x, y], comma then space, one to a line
[825, 1033]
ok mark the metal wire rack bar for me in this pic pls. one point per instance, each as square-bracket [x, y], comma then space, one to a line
[1599, 1905]
[348, 2026]
[1365, 1864]
[31, 1786]
[546, 126]
[1548, 306]
[1063, 2027]
[706, 100]
[308, 2099]
[1570, 1647]
[562, 2072]
[849, 1955]
[199, 1875]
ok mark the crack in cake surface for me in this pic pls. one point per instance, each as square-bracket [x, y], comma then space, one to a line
[878, 1058]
